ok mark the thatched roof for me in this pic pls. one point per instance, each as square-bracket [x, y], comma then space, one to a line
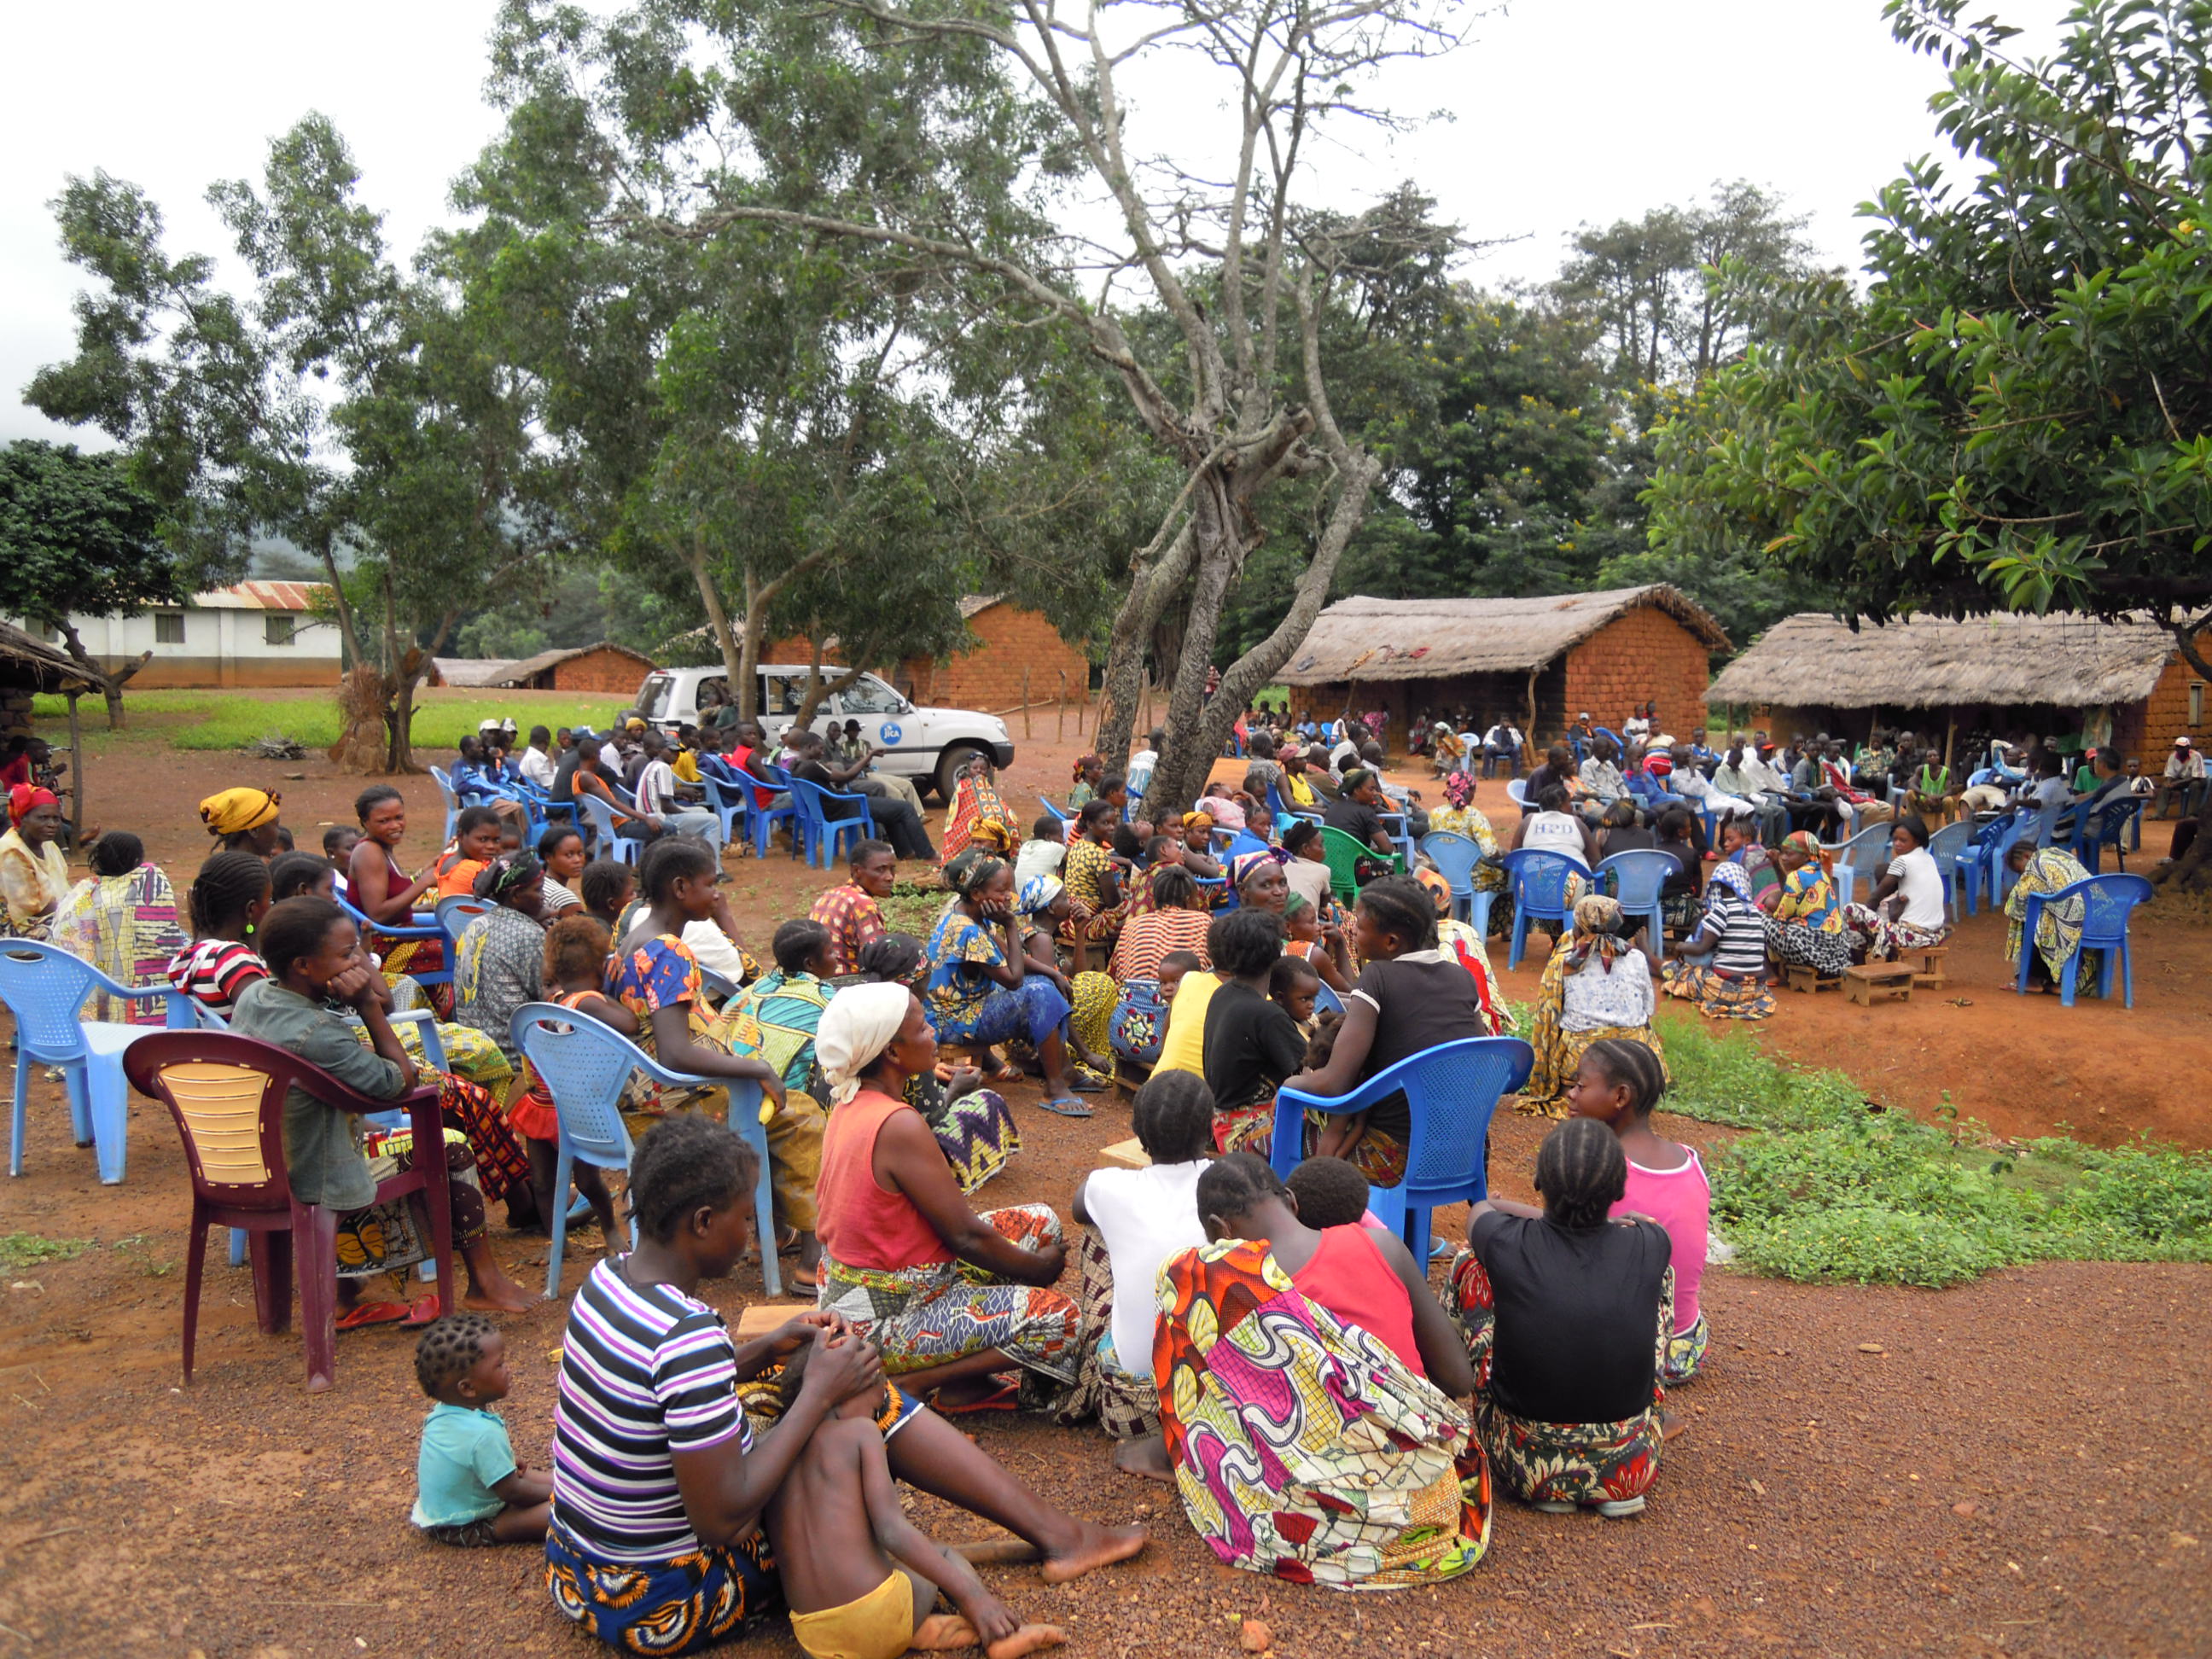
[1365, 639]
[517, 673]
[1812, 661]
[29, 663]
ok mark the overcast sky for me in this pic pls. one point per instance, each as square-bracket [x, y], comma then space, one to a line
[1566, 111]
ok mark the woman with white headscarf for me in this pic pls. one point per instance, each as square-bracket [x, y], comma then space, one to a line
[951, 1296]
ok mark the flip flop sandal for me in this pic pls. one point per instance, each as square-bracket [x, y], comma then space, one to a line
[1007, 1397]
[1066, 1106]
[1085, 1081]
[376, 1313]
[803, 1278]
[422, 1312]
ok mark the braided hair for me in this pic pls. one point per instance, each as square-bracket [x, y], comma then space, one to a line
[117, 853]
[1631, 1066]
[797, 943]
[225, 889]
[291, 874]
[293, 929]
[891, 958]
[1582, 1173]
[449, 1349]
[1233, 1186]
[1173, 1116]
[1399, 905]
[686, 1163]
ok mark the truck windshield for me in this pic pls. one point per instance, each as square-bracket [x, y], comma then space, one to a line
[652, 696]
[868, 695]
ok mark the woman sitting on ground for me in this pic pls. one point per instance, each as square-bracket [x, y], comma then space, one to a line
[1741, 846]
[950, 1296]
[1620, 1083]
[1042, 902]
[977, 816]
[1906, 910]
[1089, 771]
[1133, 1221]
[33, 873]
[1567, 1316]
[315, 956]
[1680, 836]
[1328, 1444]
[1597, 987]
[979, 990]
[244, 820]
[659, 1483]
[777, 1016]
[1411, 996]
[2048, 870]
[1250, 1045]
[654, 975]
[1093, 877]
[973, 1124]
[122, 919]
[1805, 928]
[1178, 922]
[1722, 967]
[1262, 880]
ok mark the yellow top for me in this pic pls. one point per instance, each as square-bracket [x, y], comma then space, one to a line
[1185, 1048]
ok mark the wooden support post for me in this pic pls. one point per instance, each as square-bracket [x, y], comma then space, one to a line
[1950, 735]
[1025, 702]
[1060, 711]
[77, 760]
[1528, 730]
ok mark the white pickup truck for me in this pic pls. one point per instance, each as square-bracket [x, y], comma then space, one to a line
[927, 745]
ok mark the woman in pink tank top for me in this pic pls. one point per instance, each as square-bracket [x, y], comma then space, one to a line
[1618, 1084]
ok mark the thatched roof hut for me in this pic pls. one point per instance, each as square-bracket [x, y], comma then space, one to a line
[1986, 673]
[29, 666]
[1538, 661]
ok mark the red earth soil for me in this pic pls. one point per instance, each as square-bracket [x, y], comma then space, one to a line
[1866, 1470]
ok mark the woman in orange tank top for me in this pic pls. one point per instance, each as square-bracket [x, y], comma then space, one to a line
[896, 1231]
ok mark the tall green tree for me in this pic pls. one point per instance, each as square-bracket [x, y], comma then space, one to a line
[78, 536]
[2017, 413]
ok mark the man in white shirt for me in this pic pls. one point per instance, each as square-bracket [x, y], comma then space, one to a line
[2184, 778]
[536, 761]
[1502, 744]
[1600, 777]
[1637, 728]
[655, 796]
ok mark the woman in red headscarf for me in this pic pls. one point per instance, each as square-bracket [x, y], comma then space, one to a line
[34, 874]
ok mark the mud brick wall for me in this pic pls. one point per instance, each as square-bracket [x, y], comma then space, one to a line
[601, 672]
[15, 713]
[2147, 730]
[989, 677]
[1644, 656]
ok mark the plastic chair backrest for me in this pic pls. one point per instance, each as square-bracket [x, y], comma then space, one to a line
[1453, 1089]
[826, 807]
[717, 986]
[45, 987]
[1055, 811]
[1326, 1000]
[584, 1066]
[1866, 850]
[1948, 843]
[1456, 856]
[1638, 875]
[445, 782]
[1996, 833]
[1539, 880]
[1241, 842]
[2107, 901]
[455, 913]
[1517, 790]
[601, 815]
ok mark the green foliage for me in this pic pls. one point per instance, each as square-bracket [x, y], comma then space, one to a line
[2015, 415]
[77, 535]
[1827, 1189]
[227, 720]
[28, 1249]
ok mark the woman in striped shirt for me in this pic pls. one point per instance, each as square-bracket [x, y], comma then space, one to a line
[659, 1483]
[1723, 966]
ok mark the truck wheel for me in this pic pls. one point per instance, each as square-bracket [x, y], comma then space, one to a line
[948, 764]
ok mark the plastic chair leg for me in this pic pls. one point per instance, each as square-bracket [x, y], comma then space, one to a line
[23, 1064]
[2066, 978]
[80, 1102]
[2127, 974]
[272, 1248]
[1520, 936]
[315, 1252]
[564, 1166]
[1388, 1204]
[1478, 912]
[111, 1115]
[195, 1270]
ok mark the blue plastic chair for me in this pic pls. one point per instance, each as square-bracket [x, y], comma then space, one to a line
[1946, 847]
[455, 913]
[1539, 893]
[44, 988]
[2107, 901]
[1863, 854]
[726, 800]
[1451, 1091]
[1980, 861]
[423, 926]
[2107, 827]
[1326, 1000]
[1635, 877]
[1456, 856]
[622, 849]
[822, 833]
[445, 782]
[584, 1067]
[761, 821]
[1516, 791]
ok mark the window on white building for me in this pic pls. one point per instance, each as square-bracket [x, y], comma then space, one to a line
[168, 627]
[279, 628]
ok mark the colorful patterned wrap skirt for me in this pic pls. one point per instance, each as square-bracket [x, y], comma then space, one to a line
[1557, 1462]
[1127, 1404]
[1717, 995]
[976, 1130]
[944, 1310]
[1303, 1448]
[678, 1606]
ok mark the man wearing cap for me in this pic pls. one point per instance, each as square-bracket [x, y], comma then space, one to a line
[2184, 778]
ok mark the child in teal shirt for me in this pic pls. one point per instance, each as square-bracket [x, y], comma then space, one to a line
[469, 1489]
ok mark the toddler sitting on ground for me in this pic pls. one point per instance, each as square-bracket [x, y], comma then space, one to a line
[469, 1489]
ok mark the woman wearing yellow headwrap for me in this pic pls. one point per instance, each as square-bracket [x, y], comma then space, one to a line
[1596, 985]
[244, 820]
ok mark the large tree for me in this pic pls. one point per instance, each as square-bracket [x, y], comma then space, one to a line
[2018, 412]
[77, 535]
[1226, 243]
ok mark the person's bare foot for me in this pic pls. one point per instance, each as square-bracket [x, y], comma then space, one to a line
[943, 1632]
[1147, 1455]
[1095, 1547]
[1030, 1638]
[498, 1295]
[1671, 1423]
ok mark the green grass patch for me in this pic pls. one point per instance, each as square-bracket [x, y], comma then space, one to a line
[913, 907]
[225, 721]
[1825, 1188]
[19, 1250]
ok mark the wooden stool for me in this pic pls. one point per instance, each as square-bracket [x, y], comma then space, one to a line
[1811, 981]
[1127, 1153]
[1879, 981]
[1927, 967]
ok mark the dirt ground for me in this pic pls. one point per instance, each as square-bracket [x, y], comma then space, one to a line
[1867, 1471]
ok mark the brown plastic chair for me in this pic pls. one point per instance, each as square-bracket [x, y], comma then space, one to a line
[227, 1094]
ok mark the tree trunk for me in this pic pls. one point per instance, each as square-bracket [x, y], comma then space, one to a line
[748, 644]
[111, 685]
[1188, 757]
[1122, 684]
[718, 622]
[818, 686]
